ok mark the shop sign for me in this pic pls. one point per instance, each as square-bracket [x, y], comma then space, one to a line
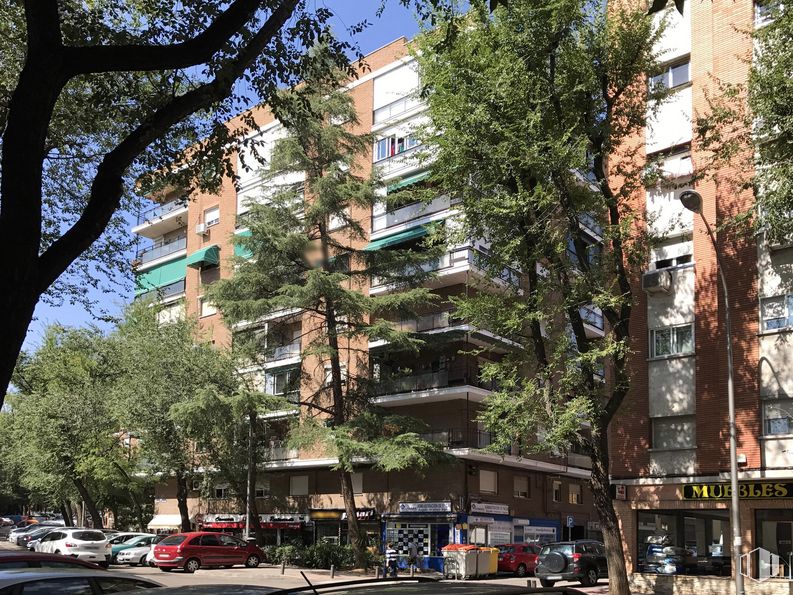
[620, 492]
[425, 507]
[223, 518]
[480, 520]
[521, 522]
[540, 531]
[490, 508]
[747, 491]
[325, 515]
[362, 514]
[500, 527]
[283, 518]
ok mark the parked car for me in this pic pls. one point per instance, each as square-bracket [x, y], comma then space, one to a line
[26, 539]
[582, 560]
[519, 558]
[69, 582]
[15, 534]
[12, 560]
[124, 536]
[139, 554]
[86, 544]
[191, 551]
[137, 540]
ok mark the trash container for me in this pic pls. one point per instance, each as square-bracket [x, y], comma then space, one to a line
[487, 561]
[459, 560]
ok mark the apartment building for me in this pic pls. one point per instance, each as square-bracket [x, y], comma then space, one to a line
[485, 497]
[672, 439]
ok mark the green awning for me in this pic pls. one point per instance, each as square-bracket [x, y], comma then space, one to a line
[239, 249]
[398, 238]
[160, 275]
[407, 181]
[204, 257]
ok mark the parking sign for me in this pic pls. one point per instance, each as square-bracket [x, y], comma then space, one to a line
[570, 521]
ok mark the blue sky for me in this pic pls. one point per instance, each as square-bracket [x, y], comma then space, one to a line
[395, 22]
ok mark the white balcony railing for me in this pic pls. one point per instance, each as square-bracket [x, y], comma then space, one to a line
[384, 220]
[285, 351]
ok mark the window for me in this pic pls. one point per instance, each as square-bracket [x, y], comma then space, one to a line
[777, 312]
[673, 340]
[665, 263]
[393, 145]
[262, 488]
[574, 494]
[673, 76]
[229, 541]
[329, 374]
[212, 216]
[298, 485]
[671, 433]
[339, 221]
[118, 584]
[67, 586]
[221, 491]
[357, 482]
[520, 486]
[778, 417]
[488, 481]
[206, 308]
[284, 383]
[557, 491]
[210, 540]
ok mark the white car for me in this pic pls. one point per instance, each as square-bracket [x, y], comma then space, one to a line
[90, 545]
[139, 553]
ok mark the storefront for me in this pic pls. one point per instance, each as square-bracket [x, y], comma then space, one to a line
[165, 523]
[330, 525]
[535, 530]
[427, 525]
[286, 528]
[233, 524]
[489, 523]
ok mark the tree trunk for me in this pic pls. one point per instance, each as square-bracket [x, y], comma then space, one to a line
[133, 499]
[181, 501]
[16, 312]
[66, 512]
[96, 518]
[353, 529]
[604, 506]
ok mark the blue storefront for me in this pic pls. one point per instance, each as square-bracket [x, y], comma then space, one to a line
[429, 526]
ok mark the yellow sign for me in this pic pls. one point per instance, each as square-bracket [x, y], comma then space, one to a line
[723, 491]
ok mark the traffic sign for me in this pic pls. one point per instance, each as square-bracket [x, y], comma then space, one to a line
[570, 521]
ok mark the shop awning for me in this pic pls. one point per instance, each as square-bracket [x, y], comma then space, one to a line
[204, 257]
[404, 182]
[165, 521]
[398, 238]
[221, 525]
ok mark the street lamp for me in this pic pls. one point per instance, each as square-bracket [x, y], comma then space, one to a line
[692, 200]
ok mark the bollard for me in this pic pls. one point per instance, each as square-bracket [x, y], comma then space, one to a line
[412, 570]
[332, 571]
[377, 572]
[283, 566]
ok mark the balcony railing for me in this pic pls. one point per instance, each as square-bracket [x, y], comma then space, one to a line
[592, 317]
[451, 437]
[428, 322]
[160, 211]
[429, 381]
[280, 452]
[404, 160]
[164, 292]
[394, 109]
[381, 221]
[158, 250]
[285, 352]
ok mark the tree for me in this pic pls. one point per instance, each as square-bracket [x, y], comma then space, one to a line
[63, 432]
[94, 96]
[535, 105]
[770, 99]
[307, 256]
[163, 367]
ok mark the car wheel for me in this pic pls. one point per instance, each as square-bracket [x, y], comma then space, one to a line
[166, 568]
[547, 583]
[252, 561]
[590, 578]
[192, 565]
[520, 570]
[142, 561]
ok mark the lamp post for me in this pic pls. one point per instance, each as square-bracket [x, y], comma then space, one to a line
[692, 200]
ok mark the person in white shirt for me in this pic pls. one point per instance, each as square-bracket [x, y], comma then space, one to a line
[391, 557]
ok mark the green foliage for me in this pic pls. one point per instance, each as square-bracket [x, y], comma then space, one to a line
[320, 555]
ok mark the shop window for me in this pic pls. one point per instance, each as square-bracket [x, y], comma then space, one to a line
[775, 534]
[357, 482]
[777, 417]
[520, 486]
[488, 481]
[298, 485]
[212, 216]
[777, 312]
[672, 340]
[574, 494]
[557, 491]
[672, 433]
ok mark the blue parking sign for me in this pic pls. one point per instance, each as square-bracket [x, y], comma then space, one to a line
[570, 521]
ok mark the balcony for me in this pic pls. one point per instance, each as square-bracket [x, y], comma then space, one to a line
[278, 451]
[160, 250]
[282, 352]
[412, 213]
[395, 109]
[400, 162]
[431, 387]
[164, 292]
[592, 317]
[458, 438]
[454, 267]
[161, 219]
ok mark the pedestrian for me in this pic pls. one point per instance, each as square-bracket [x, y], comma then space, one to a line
[390, 560]
[413, 554]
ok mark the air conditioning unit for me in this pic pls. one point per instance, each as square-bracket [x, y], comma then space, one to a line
[657, 282]
[201, 229]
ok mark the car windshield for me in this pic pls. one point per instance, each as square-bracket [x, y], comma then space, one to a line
[173, 540]
[506, 549]
[138, 539]
[562, 548]
[89, 535]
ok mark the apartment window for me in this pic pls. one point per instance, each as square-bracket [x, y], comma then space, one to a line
[262, 488]
[778, 417]
[285, 383]
[338, 221]
[222, 491]
[677, 261]
[574, 494]
[393, 145]
[520, 486]
[357, 482]
[672, 433]
[206, 308]
[298, 485]
[777, 312]
[673, 340]
[488, 481]
[329, 374]
[673, 76]
[557, 491]
[212, 216]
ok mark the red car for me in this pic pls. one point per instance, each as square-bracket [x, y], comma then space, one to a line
[191, 551]
[519, 558]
